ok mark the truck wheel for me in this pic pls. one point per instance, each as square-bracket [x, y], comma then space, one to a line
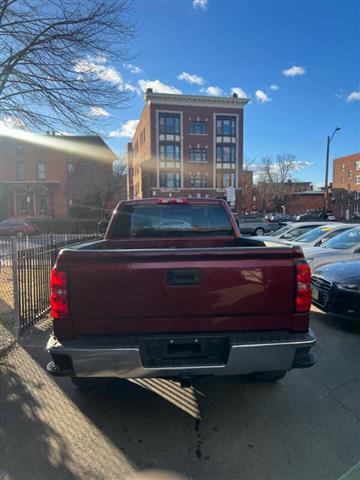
[273, 376]
[259, 231]
[82, 382]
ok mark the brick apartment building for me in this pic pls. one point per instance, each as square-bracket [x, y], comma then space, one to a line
[266, 201]
[34, 171]
[345, 192]
[188, 145]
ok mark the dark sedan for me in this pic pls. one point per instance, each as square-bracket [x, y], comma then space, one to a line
[335, 288]
[18, 228]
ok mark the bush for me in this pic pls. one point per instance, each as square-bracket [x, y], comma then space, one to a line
[66, 225]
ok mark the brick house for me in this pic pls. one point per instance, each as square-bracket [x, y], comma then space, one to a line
[34, 170]
[302, 202]
[188, 145]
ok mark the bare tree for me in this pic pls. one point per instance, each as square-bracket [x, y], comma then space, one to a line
[52, 57]
[95, 187]
[275, 175]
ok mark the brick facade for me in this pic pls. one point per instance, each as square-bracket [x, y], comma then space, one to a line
[265, 195]
[177, 148]
[346, 172]
[34, 170]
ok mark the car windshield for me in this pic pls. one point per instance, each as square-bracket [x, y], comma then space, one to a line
[345, 240]
[279, 232]
[172, 220]
[314, 234]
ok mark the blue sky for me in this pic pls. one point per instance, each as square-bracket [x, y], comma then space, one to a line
[254, 46]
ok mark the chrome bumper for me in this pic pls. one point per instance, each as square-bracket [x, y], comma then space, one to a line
[248, 353]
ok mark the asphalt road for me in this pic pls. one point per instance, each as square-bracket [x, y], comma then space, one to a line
[305, 427]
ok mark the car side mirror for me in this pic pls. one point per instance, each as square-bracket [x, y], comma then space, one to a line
[102, 227]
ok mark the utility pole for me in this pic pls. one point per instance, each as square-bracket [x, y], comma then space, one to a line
[326, 196]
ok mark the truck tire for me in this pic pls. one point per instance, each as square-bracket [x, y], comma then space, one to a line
[82, 382]
[259, 231]
[273, 376]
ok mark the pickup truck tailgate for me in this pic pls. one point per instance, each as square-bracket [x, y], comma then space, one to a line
[151, 291]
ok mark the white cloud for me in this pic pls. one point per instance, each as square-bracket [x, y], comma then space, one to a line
[294, 71]
[157, 86]
[353, 97]
[239, 91]
[98, 112]
[192, 79]
[127, 129]
[98, 67]
[274, 87]
[133, 68]
[212, 91]
[11, 122]
[261, 97]
[200, 4]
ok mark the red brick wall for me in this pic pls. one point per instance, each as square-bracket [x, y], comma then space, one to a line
[345, 172]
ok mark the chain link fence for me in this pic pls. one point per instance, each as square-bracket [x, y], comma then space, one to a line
[25, 266]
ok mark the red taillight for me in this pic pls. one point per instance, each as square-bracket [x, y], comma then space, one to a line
[171, 201]
[58, 299]
[303, 290]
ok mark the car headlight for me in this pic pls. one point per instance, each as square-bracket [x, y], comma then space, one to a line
[349, 287]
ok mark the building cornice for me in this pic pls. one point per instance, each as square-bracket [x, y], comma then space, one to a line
[194, 100]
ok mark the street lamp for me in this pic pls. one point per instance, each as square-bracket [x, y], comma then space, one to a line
[326, 199]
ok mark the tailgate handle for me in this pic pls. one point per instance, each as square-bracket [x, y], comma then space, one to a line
[183, 277]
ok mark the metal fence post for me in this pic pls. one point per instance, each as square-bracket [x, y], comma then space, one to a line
[15, 278]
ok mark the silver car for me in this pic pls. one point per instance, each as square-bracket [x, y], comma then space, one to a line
[320, 235]
[345, 246]
[290, 232]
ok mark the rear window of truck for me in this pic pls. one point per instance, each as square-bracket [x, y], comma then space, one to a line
[171, 220]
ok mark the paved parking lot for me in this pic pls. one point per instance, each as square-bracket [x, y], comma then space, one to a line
[305, 427]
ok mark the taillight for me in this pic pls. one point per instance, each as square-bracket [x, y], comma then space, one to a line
[303, 290]
[172, 201]
[58, 299]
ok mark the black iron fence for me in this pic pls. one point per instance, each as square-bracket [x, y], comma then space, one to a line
[25, 266]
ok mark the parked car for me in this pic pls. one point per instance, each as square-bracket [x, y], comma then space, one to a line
[179, 302]
[279, 217]
[290, 232]
[335, 288]
[253, 225]
[314, 216]
[345, 246]
[18, 228]
[320, 235]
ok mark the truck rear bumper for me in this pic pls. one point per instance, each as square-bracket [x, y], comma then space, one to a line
[124, 357]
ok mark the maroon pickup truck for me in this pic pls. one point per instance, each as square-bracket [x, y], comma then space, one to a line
[173, 290]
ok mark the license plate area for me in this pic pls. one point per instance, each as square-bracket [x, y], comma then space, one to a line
[184, 351]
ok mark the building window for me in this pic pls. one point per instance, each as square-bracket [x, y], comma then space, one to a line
[357, 163]
[225, 156]
[349, 173]
[41, 171]
[224, 180]
[198, 181]
[170, 180]
[356, 209]
[20, 170]
[70, 167]
[198, 155]
[169, 155]
[226, 126]
[198, 128]
[357, 179]
[356, 195]
[169, 124]
[19, 149]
